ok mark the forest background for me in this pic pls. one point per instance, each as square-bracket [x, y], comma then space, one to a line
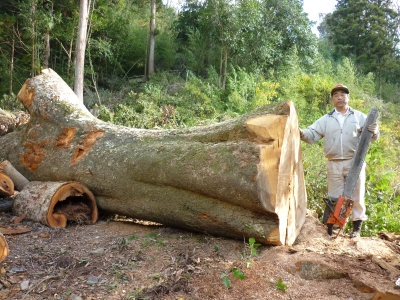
[217, 59]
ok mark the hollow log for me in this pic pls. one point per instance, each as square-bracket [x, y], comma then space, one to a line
[55, 203]
[17, 178]
[6, 186]
[240, 178]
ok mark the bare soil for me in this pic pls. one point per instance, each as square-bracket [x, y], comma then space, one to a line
[119, 258]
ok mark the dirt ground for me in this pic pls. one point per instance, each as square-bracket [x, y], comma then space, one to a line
[119, 258]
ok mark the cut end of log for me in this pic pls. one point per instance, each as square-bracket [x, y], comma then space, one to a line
[6, 186]
[16, 177]
[72, 202]
[26, 95]
[3, 248]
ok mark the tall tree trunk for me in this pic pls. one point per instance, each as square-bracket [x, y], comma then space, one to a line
[47, 50]
[225, 69]
[12, 65]
[240, 178]
[80, 49]
[152, 38]
[33, 13]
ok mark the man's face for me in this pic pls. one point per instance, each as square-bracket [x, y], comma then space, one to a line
[340, 99]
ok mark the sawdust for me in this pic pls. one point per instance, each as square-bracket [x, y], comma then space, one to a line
[126, 260]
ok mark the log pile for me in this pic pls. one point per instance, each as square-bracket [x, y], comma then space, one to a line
[240, 178]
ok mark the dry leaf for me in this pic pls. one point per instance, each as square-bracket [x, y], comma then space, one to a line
[43, 235]
[17, 230]
[19, 219]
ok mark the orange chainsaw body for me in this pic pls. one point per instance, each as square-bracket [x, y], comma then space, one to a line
[341, 212]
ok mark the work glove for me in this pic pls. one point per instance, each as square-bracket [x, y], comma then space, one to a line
[373, 128]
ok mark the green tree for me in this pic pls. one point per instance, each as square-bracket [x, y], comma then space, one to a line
[367, 31]
[250, 34]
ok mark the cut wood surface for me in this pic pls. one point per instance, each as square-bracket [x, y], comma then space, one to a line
[55, 203]
[6, 186]
[240, 178]
[4, 250]
[17, 178]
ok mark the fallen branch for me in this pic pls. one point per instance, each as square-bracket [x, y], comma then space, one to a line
[18, 179]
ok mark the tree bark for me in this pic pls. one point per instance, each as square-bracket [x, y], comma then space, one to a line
[240, 178]
[80, 49]
[55, 203]
[10, 121]
[152, 37]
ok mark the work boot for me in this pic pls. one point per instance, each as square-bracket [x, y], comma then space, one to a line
[356, 229]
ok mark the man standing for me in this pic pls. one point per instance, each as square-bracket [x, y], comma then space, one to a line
[341, 129]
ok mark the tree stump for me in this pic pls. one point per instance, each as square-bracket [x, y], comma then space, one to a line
[55, 203]
[240, 178]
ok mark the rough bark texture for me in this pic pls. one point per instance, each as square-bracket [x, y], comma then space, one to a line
[10, 121]
[240, 178]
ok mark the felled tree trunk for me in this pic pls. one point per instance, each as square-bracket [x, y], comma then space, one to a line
[240, 178]
[55, 203]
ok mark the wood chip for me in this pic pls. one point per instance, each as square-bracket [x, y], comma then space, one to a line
[19, 219]
[17, 230]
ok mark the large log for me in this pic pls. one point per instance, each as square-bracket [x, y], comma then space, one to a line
[240, 178]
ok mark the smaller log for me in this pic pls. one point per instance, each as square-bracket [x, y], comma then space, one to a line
[3, 248]
[18, 179]
[6, 186]
[55, 203]
[10, 121]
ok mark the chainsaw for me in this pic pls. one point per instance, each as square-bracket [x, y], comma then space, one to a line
[337, 210]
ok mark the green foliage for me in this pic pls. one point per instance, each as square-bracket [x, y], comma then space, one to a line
[367, 31]
[10, 103]
[279, 284]
[253, 246]
[235, 272]
[225, 280]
